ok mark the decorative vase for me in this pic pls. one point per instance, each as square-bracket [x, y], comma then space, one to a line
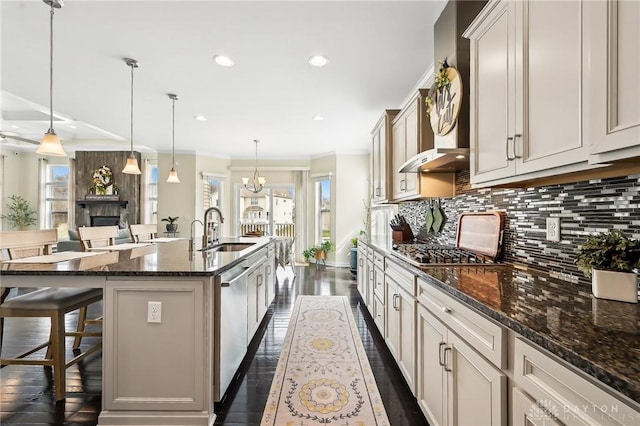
[353, 262]
[172, 227]
[612, 285]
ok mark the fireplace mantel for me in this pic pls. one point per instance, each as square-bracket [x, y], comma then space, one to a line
[84, 203]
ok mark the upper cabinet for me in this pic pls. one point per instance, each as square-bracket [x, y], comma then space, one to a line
[612, 80]
[380, 189]
[410, 134]
[526, 91]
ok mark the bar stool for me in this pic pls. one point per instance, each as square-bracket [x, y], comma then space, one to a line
[52, 303]
[97, 236]
[142, 232]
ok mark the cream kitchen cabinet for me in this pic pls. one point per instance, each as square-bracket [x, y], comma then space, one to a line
[256, 299]
[270, 277]
[570, 397]
[612, 80]
[410, 133]
[363, 271]
[400, 319]
[526, 91]
[460, 354]
[381, 137]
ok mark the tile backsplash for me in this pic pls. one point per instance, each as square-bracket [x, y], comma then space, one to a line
[583, 207]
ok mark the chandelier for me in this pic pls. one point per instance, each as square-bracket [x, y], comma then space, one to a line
[258, 182]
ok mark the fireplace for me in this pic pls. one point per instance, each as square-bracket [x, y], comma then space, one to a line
[105, 220]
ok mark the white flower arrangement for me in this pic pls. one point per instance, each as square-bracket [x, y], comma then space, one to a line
[102, 178]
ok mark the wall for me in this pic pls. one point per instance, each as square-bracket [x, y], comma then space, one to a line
[178, 199]
[351, 193]
[584, 207]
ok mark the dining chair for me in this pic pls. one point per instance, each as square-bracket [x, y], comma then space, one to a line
[97, 236]
[52, 303]
[142, 232]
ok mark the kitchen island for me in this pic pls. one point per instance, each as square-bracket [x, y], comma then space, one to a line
[163, 370]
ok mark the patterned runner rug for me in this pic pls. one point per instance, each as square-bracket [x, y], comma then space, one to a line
[323, 375]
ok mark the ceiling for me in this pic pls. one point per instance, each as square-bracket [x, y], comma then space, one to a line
[378, 51]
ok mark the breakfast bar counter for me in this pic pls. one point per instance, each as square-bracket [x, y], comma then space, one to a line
[162, 370]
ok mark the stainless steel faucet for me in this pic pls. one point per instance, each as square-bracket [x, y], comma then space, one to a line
[211, 231]
[191, 242]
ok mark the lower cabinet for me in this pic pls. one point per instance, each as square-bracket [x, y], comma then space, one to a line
[363, 271]
[525, 411]
[257, 299]
[270, 278]
[455, 384]
[400, 320]
[564, 396]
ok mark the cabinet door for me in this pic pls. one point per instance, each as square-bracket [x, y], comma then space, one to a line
[431, 380]
[412, 146]
[548, 111]
[262, 292]
[525, 411]
[493, 94]
[363, 273]
[377, 190]
[612, 94]
[406, 356]
[252, 303]
[391, 316]
[271, 279]
[477, 391]
[399, 154]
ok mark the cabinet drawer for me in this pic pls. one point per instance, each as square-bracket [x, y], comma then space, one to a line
[482, 333]
[378, 260]
[378, 282]
[573, 399]
[404, 278]
[378, 313]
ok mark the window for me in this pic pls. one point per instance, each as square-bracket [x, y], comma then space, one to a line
[323, 208]
[56, 198]
[212, 192]
[151, 205]
[254, 201]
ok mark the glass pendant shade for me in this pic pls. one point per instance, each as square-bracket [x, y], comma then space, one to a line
[131, 168]
[257, 182]
[173, 176]
[51, 145]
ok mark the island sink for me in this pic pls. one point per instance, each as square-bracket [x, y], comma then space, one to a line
[227, 247]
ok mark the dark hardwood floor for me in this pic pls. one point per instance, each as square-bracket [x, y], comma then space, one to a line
[26, 393]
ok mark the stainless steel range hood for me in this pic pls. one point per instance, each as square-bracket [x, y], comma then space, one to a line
[437, 159]
[451, 151]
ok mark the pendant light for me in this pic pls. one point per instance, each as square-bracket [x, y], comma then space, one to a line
[258, 182]
[131, 168]
[173, 175]
[50, 144]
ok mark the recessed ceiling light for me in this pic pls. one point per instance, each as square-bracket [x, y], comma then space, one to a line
[200, 118]
[318, 61]
[14, 126]
[72, 126]
[460, 156]
[223, 61]
[318, 117]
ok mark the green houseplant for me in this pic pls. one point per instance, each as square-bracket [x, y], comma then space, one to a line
[610, 259]
[21, 215]
[171, 226]
[320, 251]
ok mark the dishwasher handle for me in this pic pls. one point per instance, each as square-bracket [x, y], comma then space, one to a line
[227, 282]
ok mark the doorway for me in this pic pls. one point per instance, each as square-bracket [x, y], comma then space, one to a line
[269, 212]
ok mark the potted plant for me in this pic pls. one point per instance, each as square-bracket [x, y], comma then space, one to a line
[610, 259]
[21, 215]
[319, 252]
[171, 226]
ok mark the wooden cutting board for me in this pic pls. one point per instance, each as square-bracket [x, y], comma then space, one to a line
[481, 232]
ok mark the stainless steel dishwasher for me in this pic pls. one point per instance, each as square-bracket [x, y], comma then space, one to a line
[232, 324]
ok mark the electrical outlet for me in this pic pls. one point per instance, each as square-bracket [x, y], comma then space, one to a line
[154, 312]
[553, 228]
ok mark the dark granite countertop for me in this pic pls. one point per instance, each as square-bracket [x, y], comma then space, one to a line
[599, 337]
[159, 259]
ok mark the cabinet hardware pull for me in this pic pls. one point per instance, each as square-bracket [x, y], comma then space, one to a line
[440, 353]
[378, 192]
[260, 280]
[448, 348]
[447, 310]
[394, 302]
[403, 185]
[516, 136]
[507, 149]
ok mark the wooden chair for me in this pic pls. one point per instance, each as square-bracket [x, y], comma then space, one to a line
[142, 232]
[97, 236]
[52, 303]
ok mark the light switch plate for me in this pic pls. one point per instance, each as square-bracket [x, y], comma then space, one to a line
[553, 229]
